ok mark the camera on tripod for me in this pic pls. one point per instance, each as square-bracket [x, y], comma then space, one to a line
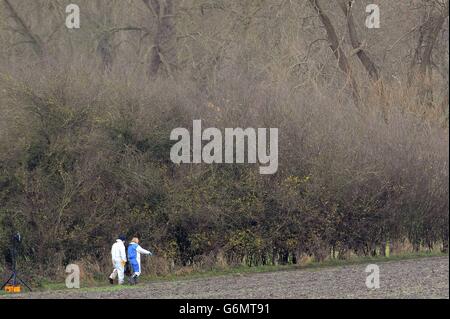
[17, 238]
[12, 284]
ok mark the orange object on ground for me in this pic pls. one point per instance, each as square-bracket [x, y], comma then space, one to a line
[12, 289]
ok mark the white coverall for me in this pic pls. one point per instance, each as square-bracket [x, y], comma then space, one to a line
[119, 259]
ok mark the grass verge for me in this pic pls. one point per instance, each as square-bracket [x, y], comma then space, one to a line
[240, 270]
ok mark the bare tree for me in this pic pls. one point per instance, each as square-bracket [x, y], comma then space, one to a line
[164, 42]
[358, 47]
[338, 52]
[105, 47]
[421, 68]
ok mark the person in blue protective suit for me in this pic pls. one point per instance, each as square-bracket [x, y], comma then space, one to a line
[134, 258]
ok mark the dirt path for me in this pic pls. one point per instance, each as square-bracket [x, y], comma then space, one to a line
[420, 278]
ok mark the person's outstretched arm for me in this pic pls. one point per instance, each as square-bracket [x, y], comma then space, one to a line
[143, 251]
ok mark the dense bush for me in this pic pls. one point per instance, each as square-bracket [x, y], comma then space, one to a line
[93, 162]
[86, 115]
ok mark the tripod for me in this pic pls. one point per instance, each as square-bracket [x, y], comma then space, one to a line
[14, 279]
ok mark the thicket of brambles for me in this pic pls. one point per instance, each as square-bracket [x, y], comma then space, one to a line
[86, 116]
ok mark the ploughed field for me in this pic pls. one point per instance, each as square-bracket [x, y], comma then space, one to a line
[418, 278]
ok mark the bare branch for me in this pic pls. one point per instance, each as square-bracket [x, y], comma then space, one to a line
[25, 30]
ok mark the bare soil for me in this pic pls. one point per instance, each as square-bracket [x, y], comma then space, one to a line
[419, 278]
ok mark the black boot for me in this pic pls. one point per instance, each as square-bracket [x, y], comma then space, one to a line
[133, 280]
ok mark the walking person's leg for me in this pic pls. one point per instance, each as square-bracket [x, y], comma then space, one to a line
[136, 271]
[113, 275]
[121, 273]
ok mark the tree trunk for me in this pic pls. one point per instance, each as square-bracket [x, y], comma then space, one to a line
[366, 61]
[164, 43]
[335, 46]
[428, 35]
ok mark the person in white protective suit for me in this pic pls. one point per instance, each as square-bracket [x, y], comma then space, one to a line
[119, 259]
[134, 258]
